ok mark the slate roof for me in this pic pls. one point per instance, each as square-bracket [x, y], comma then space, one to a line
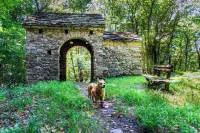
[121, 36]
[64, 20]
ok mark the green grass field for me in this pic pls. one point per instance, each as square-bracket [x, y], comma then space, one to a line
[155, 109]
[46, 107]
[60, 107]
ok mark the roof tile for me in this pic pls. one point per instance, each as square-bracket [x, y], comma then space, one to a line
[121, 36]
[64, 19]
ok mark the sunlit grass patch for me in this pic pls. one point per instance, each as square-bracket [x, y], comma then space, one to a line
[184, 91]
[157, 110]
[48, 107]
[59, 106]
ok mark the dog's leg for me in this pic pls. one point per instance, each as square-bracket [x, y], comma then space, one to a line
[89, 95]
[93, 96]
[93, 99]
[102, 99]
[96, 102]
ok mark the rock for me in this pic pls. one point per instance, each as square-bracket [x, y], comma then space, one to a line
[113, 124]
[116, 131]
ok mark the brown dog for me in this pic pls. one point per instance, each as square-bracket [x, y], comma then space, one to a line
[97, 92]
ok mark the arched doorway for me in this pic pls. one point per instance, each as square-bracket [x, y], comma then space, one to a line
[78, 61]
[63, 53]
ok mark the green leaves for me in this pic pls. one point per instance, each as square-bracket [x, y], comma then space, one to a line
[159, 23]
[78, 64]
[12, 41]
[78, 5]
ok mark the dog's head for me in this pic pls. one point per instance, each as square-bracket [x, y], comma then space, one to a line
[101, 83]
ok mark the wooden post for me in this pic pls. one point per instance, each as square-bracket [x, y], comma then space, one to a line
[167, 86]
[158, 73]
[168, 74]
[155, 71]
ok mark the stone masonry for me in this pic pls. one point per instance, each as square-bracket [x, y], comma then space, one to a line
[113, 54]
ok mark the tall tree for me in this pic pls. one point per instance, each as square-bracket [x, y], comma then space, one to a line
[156, 21]
[42, 4]
[12, 40]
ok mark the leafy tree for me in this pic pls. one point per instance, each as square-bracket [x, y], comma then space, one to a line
[78, 64]
[42, 4]
[12, 41]
[69, 6]
[78, 5]
[160, 23]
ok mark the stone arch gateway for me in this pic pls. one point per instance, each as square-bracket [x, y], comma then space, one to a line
[47, 34]
[65, 48]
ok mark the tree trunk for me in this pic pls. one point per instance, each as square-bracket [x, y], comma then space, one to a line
[155, 59]
[199, 60]
[179, 60]
[73, 67]
[37, 5]
[42, 5]
[149, 44]
[198, 52]
[186, 51]
[171, 38]
[158, 51]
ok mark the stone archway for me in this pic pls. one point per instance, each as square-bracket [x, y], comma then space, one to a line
[63, 52]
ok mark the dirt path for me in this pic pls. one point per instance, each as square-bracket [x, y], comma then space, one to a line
[111, 121]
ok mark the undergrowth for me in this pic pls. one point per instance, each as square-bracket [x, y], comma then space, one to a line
[59, 106]
[153, 107]
[45, 107]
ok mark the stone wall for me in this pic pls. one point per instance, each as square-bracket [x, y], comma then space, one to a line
[110, 58]
[122, 58]
[49, 35]
[43, 51]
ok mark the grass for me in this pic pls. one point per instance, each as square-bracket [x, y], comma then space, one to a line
[155, 109]
[46, 107]
[59, 106]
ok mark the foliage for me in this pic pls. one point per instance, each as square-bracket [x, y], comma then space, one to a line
[169, 29]
[78, 64]
[46, 107]
[156, 110]
[42, 4]
[12, 41]
[72, 6]
[79, 5]
[58, 6]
